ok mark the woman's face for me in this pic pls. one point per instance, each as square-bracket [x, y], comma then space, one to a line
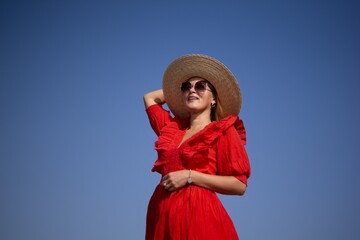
[197, 95]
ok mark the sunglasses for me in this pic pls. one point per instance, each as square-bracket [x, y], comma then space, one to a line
[199, 86]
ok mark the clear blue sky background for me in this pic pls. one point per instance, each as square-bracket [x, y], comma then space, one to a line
[76, 148]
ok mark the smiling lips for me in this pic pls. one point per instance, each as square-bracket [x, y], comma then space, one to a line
[191, 98]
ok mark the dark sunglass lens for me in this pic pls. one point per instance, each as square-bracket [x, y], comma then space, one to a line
[200, 86]
[185, 86]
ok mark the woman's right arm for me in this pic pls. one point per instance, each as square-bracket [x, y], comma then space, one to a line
[158, 116]
[155, 97]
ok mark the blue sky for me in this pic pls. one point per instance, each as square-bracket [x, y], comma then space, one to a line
[76, 148]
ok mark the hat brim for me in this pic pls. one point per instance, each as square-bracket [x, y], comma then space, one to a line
[197, 65]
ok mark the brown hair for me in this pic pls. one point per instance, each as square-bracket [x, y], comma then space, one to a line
[216, 111]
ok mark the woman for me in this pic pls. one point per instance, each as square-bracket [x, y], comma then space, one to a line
[200, 150]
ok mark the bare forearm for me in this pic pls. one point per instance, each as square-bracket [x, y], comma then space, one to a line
[221, 184]
[155, 97]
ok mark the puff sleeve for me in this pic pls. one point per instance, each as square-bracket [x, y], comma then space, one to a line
[232, 159]
[158, 117]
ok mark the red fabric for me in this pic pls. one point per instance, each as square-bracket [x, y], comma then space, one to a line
[193, 212]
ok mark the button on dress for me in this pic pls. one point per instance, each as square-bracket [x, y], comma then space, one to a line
[193, 212]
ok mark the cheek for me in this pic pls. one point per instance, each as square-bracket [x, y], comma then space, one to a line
[183, 98]
[209, 99]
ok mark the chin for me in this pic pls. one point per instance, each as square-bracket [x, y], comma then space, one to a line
[191, 107]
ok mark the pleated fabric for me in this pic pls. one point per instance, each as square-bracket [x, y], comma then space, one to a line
[194, 212]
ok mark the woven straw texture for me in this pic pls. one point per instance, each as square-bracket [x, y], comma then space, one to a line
[197, 65]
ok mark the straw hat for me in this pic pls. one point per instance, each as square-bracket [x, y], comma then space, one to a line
[196, 65]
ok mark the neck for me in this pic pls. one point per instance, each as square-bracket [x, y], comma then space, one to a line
[198, 121]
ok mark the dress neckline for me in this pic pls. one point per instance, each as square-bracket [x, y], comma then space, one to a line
[183, 132]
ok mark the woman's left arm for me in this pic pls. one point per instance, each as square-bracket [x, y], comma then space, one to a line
[221, 184]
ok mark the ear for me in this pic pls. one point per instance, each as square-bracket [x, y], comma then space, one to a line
[213, 104]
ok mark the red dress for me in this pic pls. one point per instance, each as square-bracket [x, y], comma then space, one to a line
[194, 212]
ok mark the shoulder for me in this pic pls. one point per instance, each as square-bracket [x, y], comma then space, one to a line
[232, 126]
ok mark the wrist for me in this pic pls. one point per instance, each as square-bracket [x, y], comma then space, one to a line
[189, 180]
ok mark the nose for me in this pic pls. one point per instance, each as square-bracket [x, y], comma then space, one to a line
[192, 89]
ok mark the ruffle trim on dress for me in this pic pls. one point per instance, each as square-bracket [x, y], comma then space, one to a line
[215, 130]
[196, 148]
[162, 145]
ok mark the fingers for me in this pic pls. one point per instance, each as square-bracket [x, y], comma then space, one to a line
[168, 183]
[168, 186]
[165, 181]
[166, 177]
[174, 180]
